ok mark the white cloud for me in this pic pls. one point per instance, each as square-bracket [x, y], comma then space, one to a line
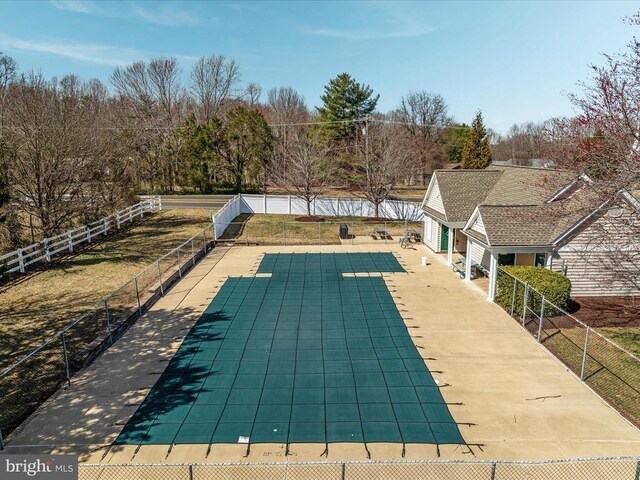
[82, 52]
[368, 34]
[164, 14]
[390, 20]
[168, 16]
[78, 6]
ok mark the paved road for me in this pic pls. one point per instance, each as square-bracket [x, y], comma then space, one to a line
[211, 202]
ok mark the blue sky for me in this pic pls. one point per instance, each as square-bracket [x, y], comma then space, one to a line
[513, 60]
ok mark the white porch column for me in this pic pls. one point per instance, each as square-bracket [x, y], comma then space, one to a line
[493, 276]
[451, 236]
[467, 269]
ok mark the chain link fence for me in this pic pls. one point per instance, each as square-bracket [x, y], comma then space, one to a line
[26, 384]
[618, 468]
[269, 231]
[605, 366]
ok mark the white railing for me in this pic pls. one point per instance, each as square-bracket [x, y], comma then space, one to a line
[333, 206]
[19, 259]
[225, 215]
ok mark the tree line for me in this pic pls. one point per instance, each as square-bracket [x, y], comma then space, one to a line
[72, 150]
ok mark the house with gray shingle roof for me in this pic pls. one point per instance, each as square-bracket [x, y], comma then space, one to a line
[512, 215]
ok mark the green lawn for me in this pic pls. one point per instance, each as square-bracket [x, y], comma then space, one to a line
[610, 371]
[285, 230]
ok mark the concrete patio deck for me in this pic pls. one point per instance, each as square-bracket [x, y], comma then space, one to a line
[516, 399]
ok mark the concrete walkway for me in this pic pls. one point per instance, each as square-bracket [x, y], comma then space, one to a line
[493, 374]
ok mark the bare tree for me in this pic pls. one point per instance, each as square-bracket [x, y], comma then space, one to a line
[214, 80]
[252, 93]
[151, 104]
[49, 148]
[285, 108]
[603, 142]
[305, 170]
[522, 142]
[381, 164]
[8, 69]
[425, 117]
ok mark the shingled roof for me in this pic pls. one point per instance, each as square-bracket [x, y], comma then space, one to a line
[463, 190]
[511, 201]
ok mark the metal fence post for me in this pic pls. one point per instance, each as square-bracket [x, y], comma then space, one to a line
[190, 471]
[525, 301]
[637, 466]
[584, 353]
[118, 220]
[540, 323]
[284, 233]
[160, 278]
[135, 282]
[193, 253]
[513, 295]
[179, 266]
[66, 359]
[343, 471]
[319, 233]
[104, 226]
[494, 465]
[1, 441]
[108, 314]
[386, 234]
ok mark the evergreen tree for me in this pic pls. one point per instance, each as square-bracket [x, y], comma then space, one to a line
[244, 144]
[193, 146]
[455, 138]
[345, 99]
[476, 153]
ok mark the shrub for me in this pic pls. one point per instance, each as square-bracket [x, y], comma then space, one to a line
[555, 287]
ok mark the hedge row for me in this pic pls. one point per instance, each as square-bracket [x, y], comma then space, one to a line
[555, 287]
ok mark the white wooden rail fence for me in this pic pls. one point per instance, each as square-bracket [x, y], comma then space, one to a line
[330, 206]
[19, 259]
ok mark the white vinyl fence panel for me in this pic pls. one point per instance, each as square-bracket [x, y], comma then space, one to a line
[328, 206]
[18, 260]
[225, 216]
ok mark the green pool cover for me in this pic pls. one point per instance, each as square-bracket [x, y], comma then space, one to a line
[305, 355]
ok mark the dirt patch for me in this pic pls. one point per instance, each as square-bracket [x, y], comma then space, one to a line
[606, 311]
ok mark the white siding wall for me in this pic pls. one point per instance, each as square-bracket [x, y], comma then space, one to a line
[600, 258]
[478, 225]
[435, 198]
[432, 241]
[480, 254]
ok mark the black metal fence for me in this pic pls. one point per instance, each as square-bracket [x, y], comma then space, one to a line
[26, 384]
[605, 366]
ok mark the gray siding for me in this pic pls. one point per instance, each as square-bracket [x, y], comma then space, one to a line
[604, 258]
